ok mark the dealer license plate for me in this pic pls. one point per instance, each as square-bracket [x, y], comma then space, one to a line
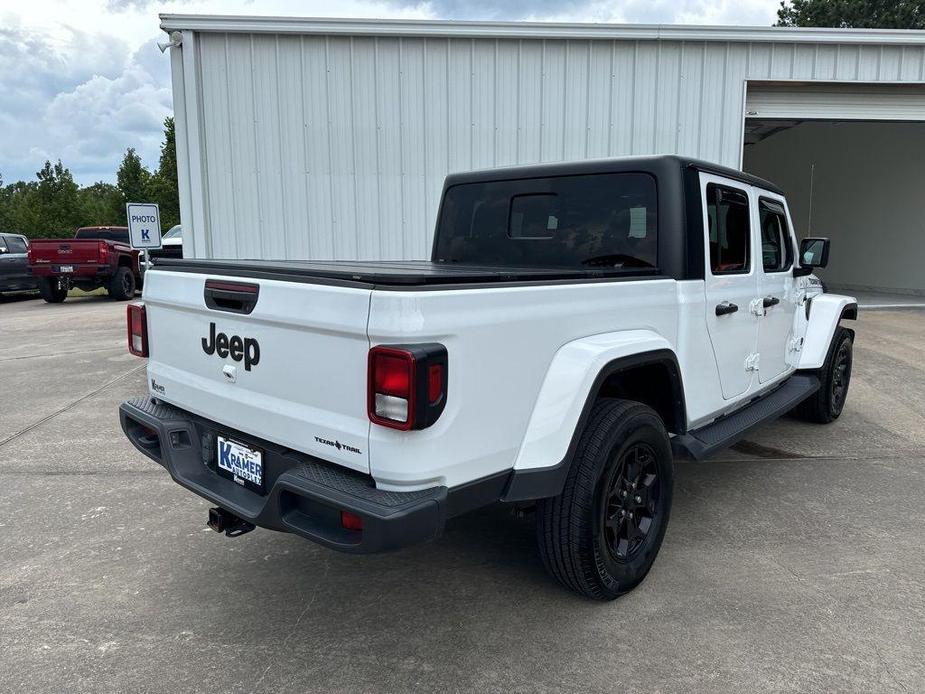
[241, 463]
[66, 268]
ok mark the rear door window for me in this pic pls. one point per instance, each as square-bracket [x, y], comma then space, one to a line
[16, 244]
[776, 244]
[585, 221]
[730, 230]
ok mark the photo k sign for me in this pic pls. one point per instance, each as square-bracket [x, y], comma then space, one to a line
[144, 224]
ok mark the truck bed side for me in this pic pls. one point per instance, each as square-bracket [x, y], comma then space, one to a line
[308, 391]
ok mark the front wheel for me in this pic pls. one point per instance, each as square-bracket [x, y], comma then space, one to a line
[827, 403]
[600, 536]
[52, 292]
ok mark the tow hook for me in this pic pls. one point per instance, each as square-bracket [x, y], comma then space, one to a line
[222, 521]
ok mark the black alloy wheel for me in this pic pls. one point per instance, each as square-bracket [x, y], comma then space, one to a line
[841, 376]
[826, 404]
[122, 284]
[128, 284]
[632, 501]
[600, 536]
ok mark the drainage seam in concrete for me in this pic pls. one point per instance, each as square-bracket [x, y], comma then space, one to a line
[902, 455]
[62, 354]
[78, 473]
[69, 406]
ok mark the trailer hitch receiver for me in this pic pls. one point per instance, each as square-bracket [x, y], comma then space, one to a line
[222, 521]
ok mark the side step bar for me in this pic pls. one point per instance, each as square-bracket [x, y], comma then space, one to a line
[722, 433]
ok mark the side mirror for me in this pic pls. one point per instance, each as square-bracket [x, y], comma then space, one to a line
[814, 252]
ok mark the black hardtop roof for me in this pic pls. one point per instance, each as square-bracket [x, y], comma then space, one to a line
[655, 164]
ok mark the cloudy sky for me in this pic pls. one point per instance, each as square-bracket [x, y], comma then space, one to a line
[82, 80]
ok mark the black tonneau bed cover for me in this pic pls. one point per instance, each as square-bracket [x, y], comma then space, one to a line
[393, 274]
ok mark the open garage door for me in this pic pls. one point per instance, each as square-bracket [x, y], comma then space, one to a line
[849, 158]
[835, 102]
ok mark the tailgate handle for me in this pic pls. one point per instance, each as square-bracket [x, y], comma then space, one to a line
[234, 297]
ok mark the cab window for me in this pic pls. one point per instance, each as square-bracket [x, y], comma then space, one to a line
[116, 234]
[586, 221]
[776, 246]
[729, 228]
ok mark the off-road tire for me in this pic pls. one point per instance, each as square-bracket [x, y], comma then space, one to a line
[577, 545]
[826, 404]
[51, 292]
[122, 284]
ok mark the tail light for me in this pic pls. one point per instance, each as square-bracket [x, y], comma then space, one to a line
[104, 253]
[137, 330]
[407, 385]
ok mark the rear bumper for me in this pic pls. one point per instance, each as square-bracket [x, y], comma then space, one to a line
[302, 494]
[80, 272]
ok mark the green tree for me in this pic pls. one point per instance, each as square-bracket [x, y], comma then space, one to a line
[54, 205]
[163, 188]
[4, 207]
[861, 14]
[55, 209]
[133, 178]
[167, 166]
[22, 209]
[102, 204]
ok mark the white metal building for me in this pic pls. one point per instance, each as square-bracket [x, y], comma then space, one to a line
[310, 138]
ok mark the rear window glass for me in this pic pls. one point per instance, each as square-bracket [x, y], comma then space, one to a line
[730, 230]
[16, 244]
[587, 221]
[119, 235]
[776, 249]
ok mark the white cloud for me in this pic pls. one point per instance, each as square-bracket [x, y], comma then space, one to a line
[80, 97]
[82, 81]
[94, 122]
[738, 12]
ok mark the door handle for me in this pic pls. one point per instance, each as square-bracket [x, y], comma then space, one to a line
[770, 301]
[235, 297]
[726, 307]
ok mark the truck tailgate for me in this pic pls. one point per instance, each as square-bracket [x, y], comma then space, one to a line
[297, 377]
[66, 251]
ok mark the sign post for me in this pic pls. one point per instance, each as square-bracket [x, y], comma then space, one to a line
[144, 225]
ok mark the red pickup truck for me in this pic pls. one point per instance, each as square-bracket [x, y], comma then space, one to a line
[96, 257]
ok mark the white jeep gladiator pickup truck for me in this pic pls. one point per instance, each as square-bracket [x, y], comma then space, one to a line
[577, 325]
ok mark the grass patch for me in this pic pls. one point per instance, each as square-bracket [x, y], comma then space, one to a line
[80, 292]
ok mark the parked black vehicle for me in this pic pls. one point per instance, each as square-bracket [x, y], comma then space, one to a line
[14, 264]
[171, 245]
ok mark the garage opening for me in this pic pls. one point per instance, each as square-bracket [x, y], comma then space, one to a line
[852, 162]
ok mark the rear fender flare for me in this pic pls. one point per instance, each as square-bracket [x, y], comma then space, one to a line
[566, 397]
[825, 312]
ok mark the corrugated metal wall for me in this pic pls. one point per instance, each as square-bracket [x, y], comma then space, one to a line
[336, 147]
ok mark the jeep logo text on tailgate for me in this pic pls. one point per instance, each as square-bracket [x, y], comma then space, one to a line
[236, 347]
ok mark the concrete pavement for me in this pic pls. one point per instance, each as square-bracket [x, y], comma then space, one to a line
[793, 562]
